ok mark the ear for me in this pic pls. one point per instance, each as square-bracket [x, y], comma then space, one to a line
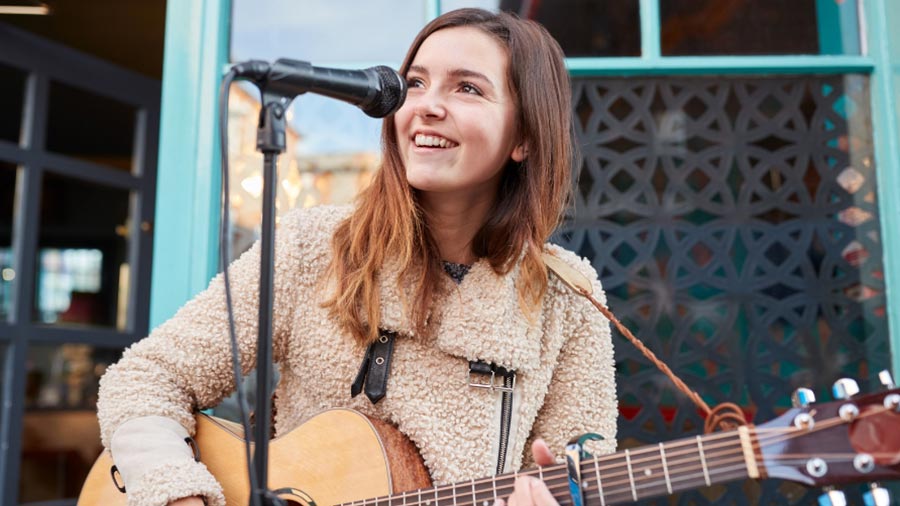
[519, 153]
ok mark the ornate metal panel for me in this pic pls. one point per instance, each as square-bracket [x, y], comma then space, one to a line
[734, 225]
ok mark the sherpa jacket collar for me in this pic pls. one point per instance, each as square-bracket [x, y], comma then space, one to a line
[480, 319]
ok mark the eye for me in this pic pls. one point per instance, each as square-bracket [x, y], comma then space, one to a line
[414, 82]
[469, 88]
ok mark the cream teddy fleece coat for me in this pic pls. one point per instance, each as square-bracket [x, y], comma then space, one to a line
[563, 358]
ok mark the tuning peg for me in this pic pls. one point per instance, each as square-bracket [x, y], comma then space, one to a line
[876, 496]
[844, 388]
[802, 397]
[886, 379]
[832, 498]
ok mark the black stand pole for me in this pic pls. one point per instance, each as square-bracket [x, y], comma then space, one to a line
[270, 141]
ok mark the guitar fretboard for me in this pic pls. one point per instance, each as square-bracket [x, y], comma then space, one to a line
[622, 477]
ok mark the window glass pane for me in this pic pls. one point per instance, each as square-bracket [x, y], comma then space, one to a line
[332, 151]
[735, 226]
[7, 269]
[90, 127]
[323, 31]
[582, 27]
[699, 27]
[60, 434]
[12, 97]
[82, 270]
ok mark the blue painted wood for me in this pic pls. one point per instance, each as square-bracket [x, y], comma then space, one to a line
[650, 30]
[186, 228]
[882, 18]
[694, 65]
[838, 24]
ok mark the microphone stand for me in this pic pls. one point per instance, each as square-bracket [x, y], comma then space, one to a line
[379, 91]
[270, 141]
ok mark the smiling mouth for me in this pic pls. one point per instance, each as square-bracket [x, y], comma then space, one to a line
[433, 141]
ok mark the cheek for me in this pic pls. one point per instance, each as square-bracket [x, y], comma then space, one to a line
[402, 119]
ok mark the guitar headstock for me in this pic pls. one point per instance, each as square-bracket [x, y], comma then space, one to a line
[855, 438]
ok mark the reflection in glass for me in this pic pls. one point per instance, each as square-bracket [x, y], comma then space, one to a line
[69, 285]
[319, 32]
[90, 127]
[743, 27]
[82, 275]
[60, 435]
[332, 151]
[582, 27]
[7, 269]
[12, 99]
[586, 27]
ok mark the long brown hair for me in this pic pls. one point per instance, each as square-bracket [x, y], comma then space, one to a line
[389, 226]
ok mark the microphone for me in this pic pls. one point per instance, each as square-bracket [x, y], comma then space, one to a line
[378, 91]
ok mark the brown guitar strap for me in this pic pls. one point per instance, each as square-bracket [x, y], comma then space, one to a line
[724, 416]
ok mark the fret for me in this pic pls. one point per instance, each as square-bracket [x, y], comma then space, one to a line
[599, 482]
[662, 454]
[436, 501]
[420, 497]
[630, 474]
[474, 497]
[494, 481]
[453, 492]
[404, 498]
[703, 461]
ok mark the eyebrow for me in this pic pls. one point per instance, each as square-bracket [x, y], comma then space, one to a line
[459, 72]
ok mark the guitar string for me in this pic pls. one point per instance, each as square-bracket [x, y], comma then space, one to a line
[507, 482]
[776, 435]
[560, 483]
[769, 436]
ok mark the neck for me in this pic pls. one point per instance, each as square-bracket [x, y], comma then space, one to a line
[454, 222]
[618, 478]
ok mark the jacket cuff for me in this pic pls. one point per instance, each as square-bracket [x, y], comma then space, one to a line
[175, 480]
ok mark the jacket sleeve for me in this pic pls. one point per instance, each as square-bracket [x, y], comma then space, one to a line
[147, 399]
[582, 394]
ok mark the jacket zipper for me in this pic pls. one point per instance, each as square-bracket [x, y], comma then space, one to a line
[505, 419]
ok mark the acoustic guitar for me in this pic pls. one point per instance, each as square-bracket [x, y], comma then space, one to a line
[341, 457]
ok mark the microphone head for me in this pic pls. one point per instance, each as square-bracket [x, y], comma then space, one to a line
[391, 92]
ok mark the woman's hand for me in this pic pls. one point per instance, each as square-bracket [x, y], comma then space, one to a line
[187, 501]
[530, 491]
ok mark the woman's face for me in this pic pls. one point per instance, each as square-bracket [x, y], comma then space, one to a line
[457, 128]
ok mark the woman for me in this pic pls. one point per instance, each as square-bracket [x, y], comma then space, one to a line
[441, 255]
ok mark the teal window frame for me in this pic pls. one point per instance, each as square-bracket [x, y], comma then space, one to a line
[196, 54]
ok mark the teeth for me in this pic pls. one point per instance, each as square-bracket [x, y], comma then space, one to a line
[433, 141]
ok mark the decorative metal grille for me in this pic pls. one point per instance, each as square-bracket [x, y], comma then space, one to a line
[734, 225]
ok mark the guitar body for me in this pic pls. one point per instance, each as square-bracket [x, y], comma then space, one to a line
[337, 456]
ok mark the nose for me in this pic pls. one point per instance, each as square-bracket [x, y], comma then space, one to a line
[430, 104]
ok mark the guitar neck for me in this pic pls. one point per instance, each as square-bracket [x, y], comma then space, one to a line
[685, 464]
[621, 477]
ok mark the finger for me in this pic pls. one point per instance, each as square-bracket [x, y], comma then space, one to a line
[541, 453]
[521, 495]
[540, 494]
